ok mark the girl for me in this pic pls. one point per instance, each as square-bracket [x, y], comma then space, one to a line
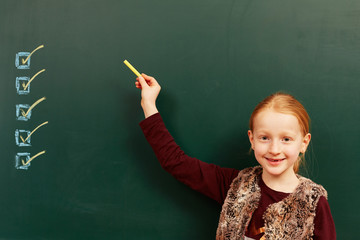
[269, 201]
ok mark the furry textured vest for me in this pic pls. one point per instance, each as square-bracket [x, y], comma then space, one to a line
[292, 218]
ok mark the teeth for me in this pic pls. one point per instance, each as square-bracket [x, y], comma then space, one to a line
[274, 160]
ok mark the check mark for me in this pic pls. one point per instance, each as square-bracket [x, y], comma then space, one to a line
[27, 59]
[32, 106]
[25, 86]
[35, 156]
[24, 140]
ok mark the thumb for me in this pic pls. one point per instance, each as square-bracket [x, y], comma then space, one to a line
[142, 82]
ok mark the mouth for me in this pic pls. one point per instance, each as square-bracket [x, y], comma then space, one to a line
[275, 160]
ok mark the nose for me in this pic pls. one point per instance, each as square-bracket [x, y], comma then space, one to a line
[274, 148]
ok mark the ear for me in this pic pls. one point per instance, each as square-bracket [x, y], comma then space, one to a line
[251, 138]
[305, 143]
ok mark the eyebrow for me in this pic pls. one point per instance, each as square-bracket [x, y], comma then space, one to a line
[262, 131]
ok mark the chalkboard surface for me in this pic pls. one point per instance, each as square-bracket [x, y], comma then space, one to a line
[74, 162]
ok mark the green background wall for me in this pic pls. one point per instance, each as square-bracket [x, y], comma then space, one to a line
[215, 60]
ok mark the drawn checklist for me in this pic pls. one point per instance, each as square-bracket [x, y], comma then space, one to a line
[22, 160]
[22, 59]
[23, 137]
[23, 83]
[24, 111]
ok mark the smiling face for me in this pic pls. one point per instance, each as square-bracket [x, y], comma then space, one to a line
[277, 141]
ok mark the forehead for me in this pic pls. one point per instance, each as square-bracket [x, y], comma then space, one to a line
[271, 120]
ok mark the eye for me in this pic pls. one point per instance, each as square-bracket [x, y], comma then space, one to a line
[287, 139]
[264, 138]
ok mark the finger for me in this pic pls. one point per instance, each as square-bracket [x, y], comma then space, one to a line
[150, 80]
[147, 77]
[142, 82]
[138, 85]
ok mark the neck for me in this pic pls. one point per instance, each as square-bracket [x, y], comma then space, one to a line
[282, 183]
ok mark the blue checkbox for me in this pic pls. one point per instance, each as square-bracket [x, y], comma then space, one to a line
[22, 113]
[20, 83]
[22, 138]
[18, 60]
[20, 158]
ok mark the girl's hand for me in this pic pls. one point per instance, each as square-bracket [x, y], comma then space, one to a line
[150, 89]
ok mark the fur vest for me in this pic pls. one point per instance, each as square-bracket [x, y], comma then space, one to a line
[292, 218]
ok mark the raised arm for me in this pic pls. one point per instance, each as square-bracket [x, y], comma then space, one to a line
[209, 179]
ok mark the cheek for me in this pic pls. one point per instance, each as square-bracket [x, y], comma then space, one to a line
[293, 152]
[260, 149]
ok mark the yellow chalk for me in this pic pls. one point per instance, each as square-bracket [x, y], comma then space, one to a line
[132, 68]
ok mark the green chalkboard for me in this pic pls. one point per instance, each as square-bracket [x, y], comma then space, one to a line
[92, 174]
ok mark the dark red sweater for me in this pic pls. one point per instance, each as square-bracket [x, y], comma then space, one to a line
[214, 181]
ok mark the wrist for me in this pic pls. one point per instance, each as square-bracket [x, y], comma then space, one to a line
[149, 108]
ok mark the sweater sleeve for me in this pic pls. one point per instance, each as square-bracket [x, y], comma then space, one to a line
[208, 179]
[324, 223]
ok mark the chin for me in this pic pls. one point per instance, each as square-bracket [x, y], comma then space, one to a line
[278, 170]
